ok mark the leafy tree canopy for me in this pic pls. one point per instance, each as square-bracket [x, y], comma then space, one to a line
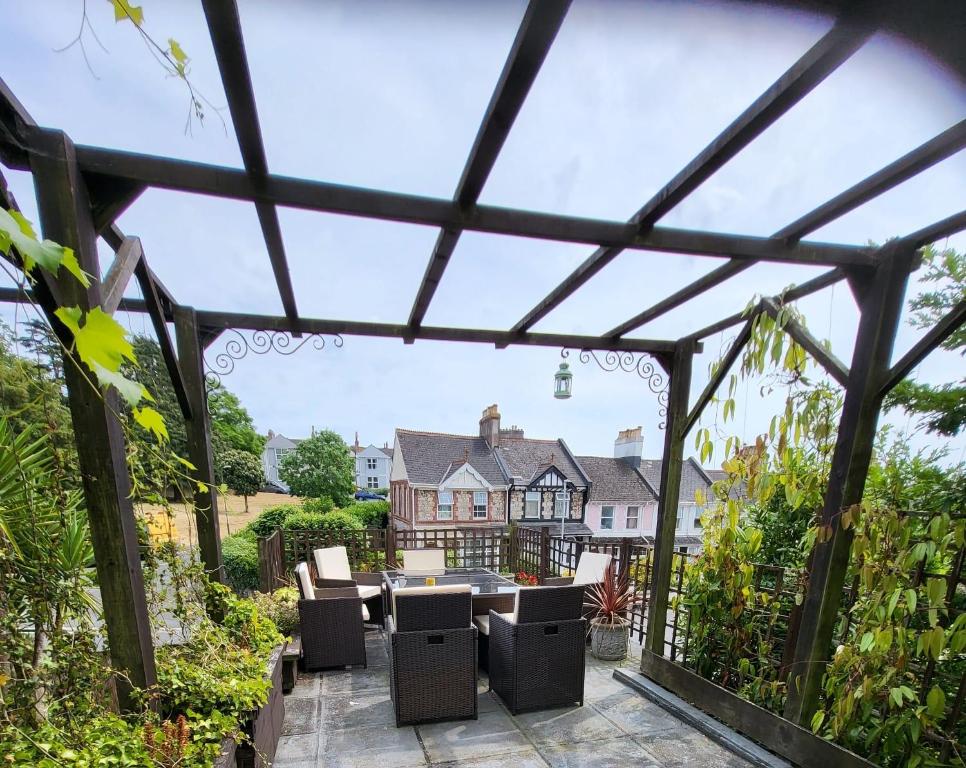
[241, 472]
[320, 466]
[232, 426]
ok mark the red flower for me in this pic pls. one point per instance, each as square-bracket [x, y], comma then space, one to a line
[533, 581]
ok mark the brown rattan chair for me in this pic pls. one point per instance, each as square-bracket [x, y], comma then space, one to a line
[536, 654]
[332, 564]
[331, 623]
[432, 654]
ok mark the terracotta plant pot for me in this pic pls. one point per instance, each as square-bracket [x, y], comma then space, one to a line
[608, 641]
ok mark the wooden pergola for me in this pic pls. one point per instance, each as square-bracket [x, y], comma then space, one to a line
[81, 191]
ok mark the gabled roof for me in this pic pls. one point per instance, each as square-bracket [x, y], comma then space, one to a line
[615, 480]
[693, 478]
[524, 459]
[429, 456]
[387, 451]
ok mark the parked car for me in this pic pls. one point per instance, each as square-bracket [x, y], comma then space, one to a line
[364, 495]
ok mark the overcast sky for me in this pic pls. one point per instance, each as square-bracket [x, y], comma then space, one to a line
[390, 95]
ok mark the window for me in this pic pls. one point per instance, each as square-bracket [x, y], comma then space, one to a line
[444, 505]
[371, 463]
[281, 453]
[372, 481]
[698, 511]
[479, 504]
[607, 518]
[533, 504]
[633, 518]
[677, 521]
[560, 504]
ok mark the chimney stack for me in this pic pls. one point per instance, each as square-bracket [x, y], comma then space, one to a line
[490, 426]
[271, 434]
[629, 446]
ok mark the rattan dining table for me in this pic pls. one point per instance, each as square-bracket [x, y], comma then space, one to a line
[490, 589]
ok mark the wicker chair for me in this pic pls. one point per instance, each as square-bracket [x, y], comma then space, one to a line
[332, 564]
[330, 624]
[432, 654]
[536, 654]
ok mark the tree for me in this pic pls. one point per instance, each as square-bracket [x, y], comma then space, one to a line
[231, 425]
[241, 472]
[942, 409]
[320, 466]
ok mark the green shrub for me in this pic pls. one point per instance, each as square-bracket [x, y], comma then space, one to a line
[372, 514]
[322, 505]
[270, 519]
[282, 607]
[336, 520]
[381, 491]
[240, 556]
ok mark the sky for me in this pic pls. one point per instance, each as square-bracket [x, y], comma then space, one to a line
[390, 96]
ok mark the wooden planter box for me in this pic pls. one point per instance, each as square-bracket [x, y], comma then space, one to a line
[265, 726]
[227, 757]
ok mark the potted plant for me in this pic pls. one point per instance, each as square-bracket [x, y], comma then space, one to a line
[609, 603]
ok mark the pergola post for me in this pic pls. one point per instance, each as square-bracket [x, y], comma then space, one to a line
[673, 459]
[880, 310]
[65, 217]
[198, 429]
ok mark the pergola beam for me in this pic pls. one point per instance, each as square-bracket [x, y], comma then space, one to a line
[224, 26]
[126, 258]
[823, 58]
[946, 327]
[536, 34]
[306, 194]
[832, 365]
[718, 376]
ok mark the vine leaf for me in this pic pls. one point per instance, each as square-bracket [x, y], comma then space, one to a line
[123, 10]
[936, 702]
[152, 421]
[17, 231]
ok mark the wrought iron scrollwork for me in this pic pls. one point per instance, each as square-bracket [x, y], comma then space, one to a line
[239, 347]
[631, 362]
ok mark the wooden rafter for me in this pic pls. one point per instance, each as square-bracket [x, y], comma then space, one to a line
[126, 258]
[536, 34]
[946, 327]
[819, 62]
[833, 366]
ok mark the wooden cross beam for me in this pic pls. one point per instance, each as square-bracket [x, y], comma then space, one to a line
[536, 34]
[946, 327]
[126, 258]
[833, 366]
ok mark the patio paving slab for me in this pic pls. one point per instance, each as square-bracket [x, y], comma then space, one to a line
[369, 747]
[529, 758]
[685, 747]
[494, 733]
[342, 711]
[297, 751]
[635, 715]
[612, 753]
[301, 715]
[567, 726]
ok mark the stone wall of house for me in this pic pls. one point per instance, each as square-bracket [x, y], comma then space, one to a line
[546, 505]
[517, 504]
[463, 506]
[576, 505]
[497, 508]
[425, 505]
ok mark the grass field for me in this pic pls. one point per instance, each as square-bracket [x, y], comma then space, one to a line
[231, 514]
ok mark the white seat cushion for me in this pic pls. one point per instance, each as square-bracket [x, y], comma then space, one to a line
[366, 591]
[305, 581]
[365, 613]
[332, 563]
[483, 622]
[591, 568]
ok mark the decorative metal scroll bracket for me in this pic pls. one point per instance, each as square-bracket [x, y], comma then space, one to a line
[631, 362]
[239, 347]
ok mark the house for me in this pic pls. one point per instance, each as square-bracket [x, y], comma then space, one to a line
[487, 479]
[373, 466]
[625, 489]
[276, 447]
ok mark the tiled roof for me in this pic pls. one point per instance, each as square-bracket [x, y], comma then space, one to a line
[693, 478]
[428, 456]
[387, 451]
[614, 480]
[524, 458]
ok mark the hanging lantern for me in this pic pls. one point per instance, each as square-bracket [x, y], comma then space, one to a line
[563, 382]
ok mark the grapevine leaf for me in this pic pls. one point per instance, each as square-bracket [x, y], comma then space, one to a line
[17, 231]
[124, 10]
[130, 390]
[101, 341]
[177, 52]
[152, 421]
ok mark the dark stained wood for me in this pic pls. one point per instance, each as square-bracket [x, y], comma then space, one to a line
[946, 144]
[158, 319]
[812, 68]
[833, 366]
[235, 184]
[667, 509]
[14, 122]
[714, 277]
[432, 333]
[946, 327]
[791, 741]
[224, 26]
[944, 228]
[536, 34]
[199, 441]
[115, 281]
[110, 197]
[719, 375]
[65, 218]
[878, 323]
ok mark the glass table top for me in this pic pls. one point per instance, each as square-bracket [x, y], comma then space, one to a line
[481, 580]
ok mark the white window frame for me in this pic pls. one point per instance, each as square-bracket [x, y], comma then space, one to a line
[480, 511]
[607, 522]
[698, 511]
[372, 481]
[559, 496]
[534, 497]
[372, 464]
[636, 516]
[444, 509]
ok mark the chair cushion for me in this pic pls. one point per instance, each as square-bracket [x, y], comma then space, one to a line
[365, 613]
[591, 568]
[424, 560]
[367, 591]
[306, 588]
[483, 622]
[332, 563]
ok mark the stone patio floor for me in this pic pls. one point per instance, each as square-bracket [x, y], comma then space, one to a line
[345, 718]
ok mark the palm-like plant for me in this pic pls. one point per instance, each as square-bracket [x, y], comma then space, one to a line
[611, 600]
